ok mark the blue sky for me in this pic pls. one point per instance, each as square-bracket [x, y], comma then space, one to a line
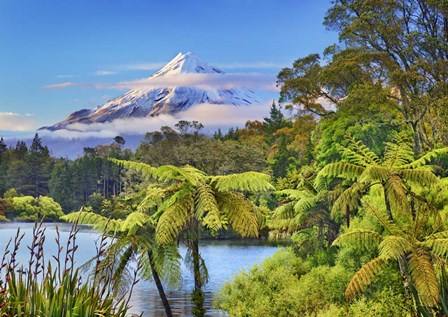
[49, 42]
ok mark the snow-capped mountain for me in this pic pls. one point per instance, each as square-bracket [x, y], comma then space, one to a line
[143, 102]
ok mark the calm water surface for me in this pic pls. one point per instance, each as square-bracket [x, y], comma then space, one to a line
[224, 259]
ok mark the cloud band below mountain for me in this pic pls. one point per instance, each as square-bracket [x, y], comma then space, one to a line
[211, 115]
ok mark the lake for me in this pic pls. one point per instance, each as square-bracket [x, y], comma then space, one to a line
[224, 259]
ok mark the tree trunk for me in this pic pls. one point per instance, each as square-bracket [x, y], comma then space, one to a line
[198, 294]
[159, 285]
[347, 216]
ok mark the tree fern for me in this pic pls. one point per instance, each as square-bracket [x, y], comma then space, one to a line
[99, 222]
[134, 221]
[394, 247]
[285, 211]
[364, 277]
[396, 194]
[174, 218]
[438, 246]
[350, 199]
[207, 207]
[240, 213]
[359, 154]
[424, 277]
[361, 238]
[173, 173]
[337, 170]
[427, 158]
[145, 169]
[398, 154]
[420, 176]
[249, 181]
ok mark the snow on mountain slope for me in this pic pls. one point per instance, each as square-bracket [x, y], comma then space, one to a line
[150, 102]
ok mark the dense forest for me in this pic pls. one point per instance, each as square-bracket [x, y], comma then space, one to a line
[350, 166]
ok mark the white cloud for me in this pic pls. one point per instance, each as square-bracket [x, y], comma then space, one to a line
[10, 121]
[211, 115]
[104, 73]
[203, 81]
[253, 65]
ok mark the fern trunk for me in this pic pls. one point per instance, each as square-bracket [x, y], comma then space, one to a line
[198, 296]
[156, 277]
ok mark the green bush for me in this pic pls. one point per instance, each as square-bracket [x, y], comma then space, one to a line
[268, 289]
[28, 208]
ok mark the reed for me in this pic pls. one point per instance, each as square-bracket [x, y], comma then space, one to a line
[57, 288]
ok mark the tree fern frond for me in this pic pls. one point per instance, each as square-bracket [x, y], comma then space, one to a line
[249, 181]
[167, 263]
[305, 204]
[420, 176]
[364, 277]
[361, 238]
[350, 198]
[428, 157]
[207, 207]
[174, 218]
[285, 211]
[424, 277]
[438, 246]
[240, 213]
[374, 174]
[145, 169]
[188, 174]
[383, 219]
[99, 222]
[337, 170]
[396, 194]
[398, 154]
[120, 271]
[295, 194]
[438, 235]
[359, 154]
[394, 247]
[134, 221]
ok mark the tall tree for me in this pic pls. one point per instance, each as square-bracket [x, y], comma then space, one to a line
[39, 162]
[406, 44]
[188, 199]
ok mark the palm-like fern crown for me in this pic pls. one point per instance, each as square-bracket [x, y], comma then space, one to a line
[397, 172]
[185, 193]
[422, 242]
[304, 207]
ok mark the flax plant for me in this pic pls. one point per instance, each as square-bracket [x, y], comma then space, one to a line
[56, 287]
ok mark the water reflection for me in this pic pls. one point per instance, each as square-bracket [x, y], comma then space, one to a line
[224, 259]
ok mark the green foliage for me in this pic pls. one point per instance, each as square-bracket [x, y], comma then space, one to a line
[283, 285]
[269, 289]
[28, 208]
[44, 290]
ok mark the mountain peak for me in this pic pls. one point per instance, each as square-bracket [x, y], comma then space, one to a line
[186, 63]
[138, 103]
